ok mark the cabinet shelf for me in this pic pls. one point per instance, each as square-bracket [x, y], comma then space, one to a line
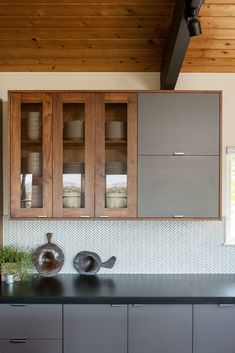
[115, 142]
[31, 142]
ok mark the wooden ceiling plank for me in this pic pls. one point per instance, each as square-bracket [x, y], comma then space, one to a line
[207, 43]
[83, 44]
[210, 61]
[88, 33]
[217, 22]
[210, 53]
[81, 61]
[81, 53]
[85, 21]
[84, 2]
[219, 33]
[81, 68]
[87, 9]
[217, 10]
[208, 68]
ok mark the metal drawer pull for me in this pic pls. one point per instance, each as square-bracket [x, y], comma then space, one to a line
[117, 305]
[178, 216]
[42, 216]
[104, 216]
[178, 153]
[85, 216]
[18, 304]
[18, 341]
[226, 305]
[138, 305]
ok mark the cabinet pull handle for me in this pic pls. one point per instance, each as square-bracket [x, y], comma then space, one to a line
[226, 305]
[42, 216]
[18, 341]
[85, 216]
[18, 304]
[178, 216]
[178, 153]
[117, 305]
[137, 305]
[104, 216]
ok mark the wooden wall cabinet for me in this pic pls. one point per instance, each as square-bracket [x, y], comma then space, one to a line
[64, 163]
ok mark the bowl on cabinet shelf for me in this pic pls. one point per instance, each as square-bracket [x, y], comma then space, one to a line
[115, 130]
[116, 200]
[72, 200]
[74, 129]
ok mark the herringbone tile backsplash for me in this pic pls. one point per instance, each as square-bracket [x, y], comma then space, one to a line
[140, 246]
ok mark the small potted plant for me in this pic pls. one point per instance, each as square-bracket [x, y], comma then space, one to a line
[16, 262]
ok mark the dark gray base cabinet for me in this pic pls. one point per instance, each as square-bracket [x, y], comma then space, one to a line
[95, 329]
[185, 186]
[213, 329]
[160, 329]
[31, 321]
[35, 346]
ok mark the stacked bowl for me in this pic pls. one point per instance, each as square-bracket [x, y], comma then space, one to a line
[34, 163]
[115, 168]
[115, 130]
[34, 126]
[74, 129]
[37, 198]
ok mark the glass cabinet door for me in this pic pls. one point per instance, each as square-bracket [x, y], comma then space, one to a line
[73, 155]
[31, 154]
[116, 154]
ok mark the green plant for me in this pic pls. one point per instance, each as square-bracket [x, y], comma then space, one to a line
[21, 258]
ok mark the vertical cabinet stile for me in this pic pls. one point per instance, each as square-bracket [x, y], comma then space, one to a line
[116, 155]
[30, 142]
[73, 155]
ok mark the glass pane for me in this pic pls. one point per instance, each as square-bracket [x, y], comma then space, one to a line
[73, 155]
[116, 155]
[31, 156]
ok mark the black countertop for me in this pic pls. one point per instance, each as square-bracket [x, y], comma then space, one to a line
[122, 289]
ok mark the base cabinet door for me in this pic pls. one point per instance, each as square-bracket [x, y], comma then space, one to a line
[35, 346]
[95, 329]
[213, 330]
[160, 329]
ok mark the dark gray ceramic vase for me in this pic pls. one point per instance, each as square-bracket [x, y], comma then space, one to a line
[89, 263]
[48, 259]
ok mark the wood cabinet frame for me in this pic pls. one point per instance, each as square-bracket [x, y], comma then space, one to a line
[15, 155]
[58, 100]
[131, 100]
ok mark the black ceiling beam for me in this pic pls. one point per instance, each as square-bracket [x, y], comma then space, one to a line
[177, 43]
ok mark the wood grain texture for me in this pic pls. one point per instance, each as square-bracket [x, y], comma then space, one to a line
[213, 51]
[58, 154]
[15, 101]
[131, 100]
[55, 32]
[73, 35]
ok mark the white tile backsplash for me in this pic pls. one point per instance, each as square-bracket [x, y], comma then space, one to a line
[140, 246]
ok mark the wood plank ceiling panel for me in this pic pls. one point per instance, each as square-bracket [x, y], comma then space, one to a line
[83, 35]
[214, 50]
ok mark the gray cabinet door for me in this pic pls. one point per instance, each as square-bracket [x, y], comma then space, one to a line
[160, 329]
[213, 329]
[185, 186]
[36, 321]
[178, 122]
[34, 346]
[95, 329]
